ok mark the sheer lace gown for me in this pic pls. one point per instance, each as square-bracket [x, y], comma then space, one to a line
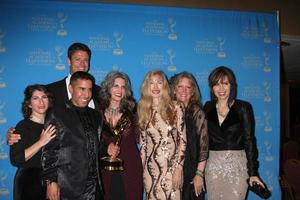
[162, 150]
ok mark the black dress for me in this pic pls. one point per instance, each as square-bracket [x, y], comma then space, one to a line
[196, 149]
[27, 182]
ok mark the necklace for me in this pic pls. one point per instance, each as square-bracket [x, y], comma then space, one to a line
[222, 114]
[112, 111]
[36, 119]
[112, 115]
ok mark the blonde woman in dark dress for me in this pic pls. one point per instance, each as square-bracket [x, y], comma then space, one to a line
[185, 90]
[232, 144]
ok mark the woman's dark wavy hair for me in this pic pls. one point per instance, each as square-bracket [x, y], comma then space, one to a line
[127, 102]
[26, 110]
[196, 94]
[220, 73]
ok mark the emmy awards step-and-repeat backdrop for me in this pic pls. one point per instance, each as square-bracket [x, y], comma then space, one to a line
[34, 38]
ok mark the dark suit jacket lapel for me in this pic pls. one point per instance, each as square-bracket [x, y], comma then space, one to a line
[63, 90]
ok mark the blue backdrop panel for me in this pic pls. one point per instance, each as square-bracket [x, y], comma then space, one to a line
[34, 37]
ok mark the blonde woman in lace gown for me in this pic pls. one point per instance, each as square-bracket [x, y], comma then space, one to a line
[163, 138]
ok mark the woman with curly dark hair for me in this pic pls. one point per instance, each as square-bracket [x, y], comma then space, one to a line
[26, 154]
[120, 126]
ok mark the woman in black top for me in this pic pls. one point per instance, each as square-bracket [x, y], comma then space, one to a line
[26, 154]
[232, 144]
[186, 90]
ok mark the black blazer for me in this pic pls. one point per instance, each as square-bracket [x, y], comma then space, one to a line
[235, 133]
[64, 159]
[60, 93]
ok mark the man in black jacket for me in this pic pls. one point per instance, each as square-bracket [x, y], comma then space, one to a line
[70, 160]
[79, 57]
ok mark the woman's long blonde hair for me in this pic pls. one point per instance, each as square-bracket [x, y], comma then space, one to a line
[165, 106]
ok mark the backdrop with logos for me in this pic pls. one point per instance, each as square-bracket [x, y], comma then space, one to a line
[35, 36]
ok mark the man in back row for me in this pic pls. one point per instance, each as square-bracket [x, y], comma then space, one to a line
[79, 57]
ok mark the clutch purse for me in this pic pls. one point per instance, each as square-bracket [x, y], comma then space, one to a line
[264, 193]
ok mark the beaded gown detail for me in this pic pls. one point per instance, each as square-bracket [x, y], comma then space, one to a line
[162, 150]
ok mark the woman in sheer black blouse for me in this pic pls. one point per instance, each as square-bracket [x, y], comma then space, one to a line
[186, 90]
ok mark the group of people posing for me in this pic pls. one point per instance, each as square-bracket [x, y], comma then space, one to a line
[171, 146]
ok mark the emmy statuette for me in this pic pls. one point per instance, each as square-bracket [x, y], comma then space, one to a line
[110, 163]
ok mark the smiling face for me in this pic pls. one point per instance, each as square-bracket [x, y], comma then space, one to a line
[79, 61]
[81, 92]
[222, 89]
[156, 86]
[184, 90]
[117, 91]
[39, 102]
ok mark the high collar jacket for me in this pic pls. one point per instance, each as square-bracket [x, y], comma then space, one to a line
[65, 158]
[235, 133]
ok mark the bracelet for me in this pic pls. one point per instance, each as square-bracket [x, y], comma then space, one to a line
[200, 173]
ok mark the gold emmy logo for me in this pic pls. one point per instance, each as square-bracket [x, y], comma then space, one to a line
[171, 56]
[2, 83]
[3, 155]
[62, 19]
[267, 87]
[269, 156]
[267, 117]
[2, 47]
[111, 163]
[118, 38]
[269, 180]
[267, 68]
[3, 187]
[172, 35]
[221, 53]
[59, 52]
[265, 26]
[2, 117]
